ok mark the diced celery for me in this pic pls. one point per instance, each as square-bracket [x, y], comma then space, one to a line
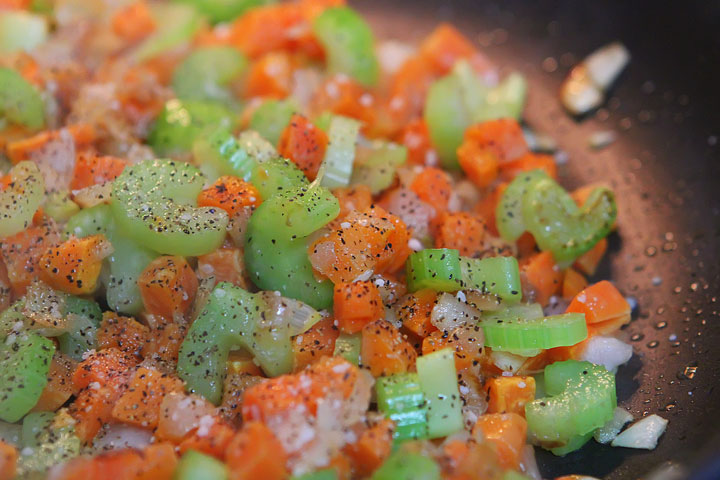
[194, 465]
[400, 398]
[176, 25]
[83, 317]
[275, 176]
[509, 210]
[494, 275]
[20, 201]
[49, 439]
[326, 474]
[60, 207]
[438, 380]
[348, 347]
[506, 100]
[271, 118]
[403, 465]
[219, 153]
[12, 319]
[377, 167]
[514, 330]
[206, 72]
[340, 153]
[434, 268]
[224, 10]
[21, 30]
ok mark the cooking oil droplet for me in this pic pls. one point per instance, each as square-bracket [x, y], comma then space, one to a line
[670, 406]
[660, 310]
[689, 371]
[653, 344]
[660, 325]
[677, 289]
[650, 251]
[637, 337]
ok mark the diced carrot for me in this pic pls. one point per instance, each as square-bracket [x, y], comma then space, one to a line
[544, 276]
[213, 440]
[384, 350]
[469, 461]
[351, 199]
[508, 432]
[8, 461]
[122, 333]
[462, 231]
[139, 404]
[20, 150]
[225, 264]
[262, 30]
[21, 252]
[527, 162]
[118, 464]
[101, 366]
[588, 262]
[408, 89]
[6, 291]
[525, 246]
[356, 304]
[395, 252]
[445, 46]
[342, 466]
[74, 265]
[92, 169]
[59, 387]
[304, 144]
[486, 207]
[573, 283]
[608, 326]
[433, 186]
[163, 342]
[600, 302]
[168, 286]
[414, 311]
[371, 448]
[573, 352]
[15, 4]
[317, 342]
[78, 468]
[342, 95]
[510, 394]
[467, 349]
[231, 194]
[416, 137]
[158, 462]
[480, 164]
[435, 341]
[503, 137]
[133, 22]
[93, 407]
[256, 453]
[270, 76]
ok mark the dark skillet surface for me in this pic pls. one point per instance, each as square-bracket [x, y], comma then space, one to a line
[665, 168]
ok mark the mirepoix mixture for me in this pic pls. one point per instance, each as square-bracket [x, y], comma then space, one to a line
[242, 240]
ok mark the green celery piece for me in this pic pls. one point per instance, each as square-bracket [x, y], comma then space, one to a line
[51, 439]
[84, 317]
[194, 465]
[89, 221]
[177, 24]
[232, 318]
[401, 399]
[12, 317]
[438, 380]
[498, 276]
[514, 475]
[510, 331]
[182, 121]
[506, 100]
[22, 198]
[377, 168]
[21, 30]
[26, 362]
[11, 433]
[277, 176]
[219, 153]
[434, 268]
[349, 44]
[271, 118]
[60, 207]
[42, 6]
[337, 166]
[323, 120]
[277, 239]
[224, 10]
[586, 402]
[348, 346]
[575, 443]
[558, 225]
[20, 102]
[403, 465]
[509, 210]
[206, 73]
[256, 146]
[34, 427]
[154, 203]
[326, 474]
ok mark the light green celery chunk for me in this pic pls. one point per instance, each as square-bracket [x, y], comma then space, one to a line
[20, 201]
[177, 24]
[438, 380]
[21, 30]
[348, 346]
[509, 211]
[224, 10]
[49, 439]
[206, 73]
[271, 118]
[402, 465]
[60, 207]
[337, 166]
[498, 276]
[506, 100]
[509, 330]
[194, 465]
[401, 399]
[377, 165]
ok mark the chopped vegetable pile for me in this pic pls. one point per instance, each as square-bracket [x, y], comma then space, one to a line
[248, 240]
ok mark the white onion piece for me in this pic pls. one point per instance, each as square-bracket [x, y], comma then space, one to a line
[416, 214]
[181, 413]
[610, 430]
[642, 434]
[605, 64]
[528, 464]
[93, 195]
[298, 316]
[122, 436]
[507, 362]
[392, 55]
[607, 351]
[450, 313]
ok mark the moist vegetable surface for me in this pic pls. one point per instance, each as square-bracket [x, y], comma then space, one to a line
[249, 240]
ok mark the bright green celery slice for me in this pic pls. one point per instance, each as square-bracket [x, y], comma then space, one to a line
[176, 25]
[326, 474]
[349, 44]
[271, 118]
[84, 317]
[26, 361]
[348, 346]
[59, 206]
[506, 100]
[21, 30]
[194, 465]
[232, 318]
[560, 226]
[340, 154]
[434, 268]
[206, 73]
[51, 440]
[582, 399]
[438, 380]
[516, 329]
[401, 399]
[224, 10]
[220, 153]
[11, 318]
[182, 121]
[20, 201]
[498, 276]
[277, 176]
[376, 167]
[20, 102]
[509, 211]
[405, 465]
[154, 203]
[277, 239]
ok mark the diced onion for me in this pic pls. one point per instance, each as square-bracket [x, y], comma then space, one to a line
[607, 351]
[450, 313]
[340, 153]
[118, 436]
[507, 362]
[643, 434]
[610, 430]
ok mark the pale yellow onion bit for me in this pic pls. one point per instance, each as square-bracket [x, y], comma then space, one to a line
[21, 199]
